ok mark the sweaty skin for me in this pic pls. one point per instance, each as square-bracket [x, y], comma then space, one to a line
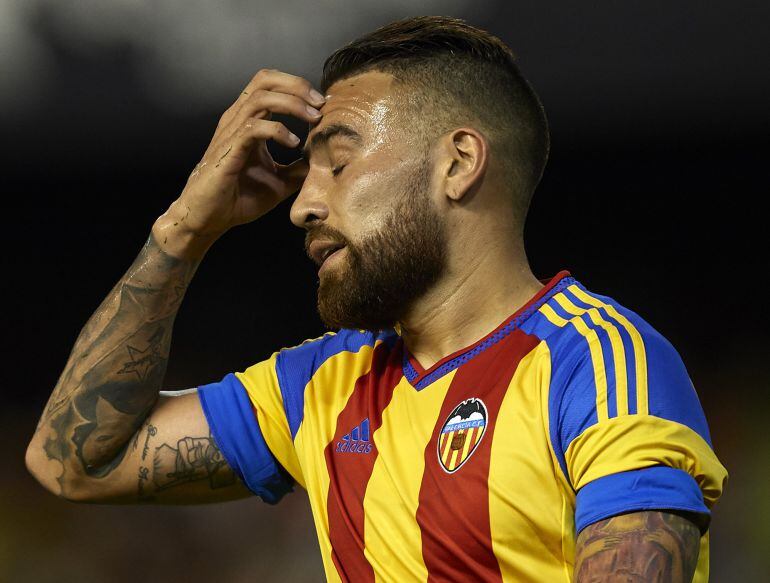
[356, 201]
[488, 276]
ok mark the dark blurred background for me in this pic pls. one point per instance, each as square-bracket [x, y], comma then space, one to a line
[653, 195]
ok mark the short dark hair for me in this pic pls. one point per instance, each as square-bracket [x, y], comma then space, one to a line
[457, 74]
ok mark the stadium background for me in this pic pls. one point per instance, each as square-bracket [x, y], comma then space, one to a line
[653, 195]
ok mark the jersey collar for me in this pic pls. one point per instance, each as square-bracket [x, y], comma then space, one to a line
[420, 378]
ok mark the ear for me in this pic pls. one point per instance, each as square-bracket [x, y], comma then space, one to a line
[466, 156]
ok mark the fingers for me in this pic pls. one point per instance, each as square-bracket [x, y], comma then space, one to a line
[263, 102]
[263, 129]
[274, 80]
[271, 80]
[232, 152]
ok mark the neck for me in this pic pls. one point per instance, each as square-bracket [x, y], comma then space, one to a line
[469, 302]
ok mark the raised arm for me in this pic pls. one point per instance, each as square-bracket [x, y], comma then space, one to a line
[105, 434]
[654, 547]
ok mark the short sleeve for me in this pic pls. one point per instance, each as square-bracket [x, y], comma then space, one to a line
[249, 421]
[235, 426]
[626, 424]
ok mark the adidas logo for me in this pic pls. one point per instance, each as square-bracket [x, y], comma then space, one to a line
[357, 441]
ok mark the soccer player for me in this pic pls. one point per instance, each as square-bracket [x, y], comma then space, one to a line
[467, 422]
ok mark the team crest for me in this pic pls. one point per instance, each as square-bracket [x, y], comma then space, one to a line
[461, 434]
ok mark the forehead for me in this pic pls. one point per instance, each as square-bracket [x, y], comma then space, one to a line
[368, 103]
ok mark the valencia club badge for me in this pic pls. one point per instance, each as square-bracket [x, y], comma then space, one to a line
[461, 434]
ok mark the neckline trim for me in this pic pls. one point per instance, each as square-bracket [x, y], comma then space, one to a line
[420, 378]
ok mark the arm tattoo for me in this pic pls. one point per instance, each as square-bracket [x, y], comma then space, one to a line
[193, 458]
[190, 459]
[642, 546]
[116, 367]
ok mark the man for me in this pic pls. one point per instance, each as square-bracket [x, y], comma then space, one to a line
[467, 422]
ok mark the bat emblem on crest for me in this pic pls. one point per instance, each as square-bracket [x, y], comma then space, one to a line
[461, 434]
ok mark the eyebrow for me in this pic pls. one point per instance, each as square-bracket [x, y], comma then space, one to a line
[326, 134]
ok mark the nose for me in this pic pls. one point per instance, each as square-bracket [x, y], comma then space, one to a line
[309, 206]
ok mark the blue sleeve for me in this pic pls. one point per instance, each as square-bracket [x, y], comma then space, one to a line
[235, 429]
[652, 488]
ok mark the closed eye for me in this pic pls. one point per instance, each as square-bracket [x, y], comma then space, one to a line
[337, 170]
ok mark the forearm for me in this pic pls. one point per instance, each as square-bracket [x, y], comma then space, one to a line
[653, 546]
[115, 371]
[117, 366]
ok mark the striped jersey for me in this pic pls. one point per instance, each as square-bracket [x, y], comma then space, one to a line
[486, 465]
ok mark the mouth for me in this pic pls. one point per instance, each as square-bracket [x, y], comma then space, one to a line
[321, 251]
[331, 252]
[330, 257]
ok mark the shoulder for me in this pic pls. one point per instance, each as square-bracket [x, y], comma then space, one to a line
[606, 351]
[328, 360]
[574, 318]
[306, 358]
[624, 420]
[608, 362]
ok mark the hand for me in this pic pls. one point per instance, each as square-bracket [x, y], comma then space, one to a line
[237, 180]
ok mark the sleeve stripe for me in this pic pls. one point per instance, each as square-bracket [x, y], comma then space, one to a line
[618, 351]
[619, 358]
[595, 350]
[640, 356]
[552, 316]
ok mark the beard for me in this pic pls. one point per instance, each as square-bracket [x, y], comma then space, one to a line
[387, 270]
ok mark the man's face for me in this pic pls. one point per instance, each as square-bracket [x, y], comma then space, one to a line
[372, 224]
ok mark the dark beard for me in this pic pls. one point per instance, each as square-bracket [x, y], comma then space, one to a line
[386, 271]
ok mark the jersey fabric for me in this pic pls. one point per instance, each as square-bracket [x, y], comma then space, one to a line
[485, 466]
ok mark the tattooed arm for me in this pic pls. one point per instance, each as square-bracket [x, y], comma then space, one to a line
[105, 433]
[654, 547]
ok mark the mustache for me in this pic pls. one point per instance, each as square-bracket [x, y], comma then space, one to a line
[325, 232]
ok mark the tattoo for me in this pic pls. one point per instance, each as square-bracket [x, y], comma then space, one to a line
[116, 367]
[641, 546]
[142, 361]
[151, 430]
[193, 458]
[135, 442]
[143, 472]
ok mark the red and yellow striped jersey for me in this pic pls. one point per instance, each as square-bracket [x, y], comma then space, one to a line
[485, 466]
